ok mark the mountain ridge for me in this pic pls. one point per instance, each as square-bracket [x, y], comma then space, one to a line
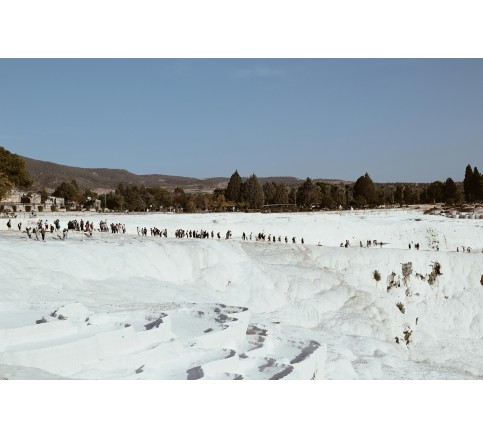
[49, 175]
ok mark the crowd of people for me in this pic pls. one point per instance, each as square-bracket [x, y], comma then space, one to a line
[87, 227]
[42, 227]
[198, 234]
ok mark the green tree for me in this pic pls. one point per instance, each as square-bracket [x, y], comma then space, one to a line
[337, 195]
[161, 197]
[450, 191]
[399, 195]
[179, 198]
[253, 193]
[68, 191]
[13, 167]
[269, 190]
[435, 192]
[411, 196]
[113, 201]
[281, 194]
[467, 186]
[134, 200]
[364, 189]
[325, 195]
[475, 184]
[5, 185]
[233, 190]
[308, 193]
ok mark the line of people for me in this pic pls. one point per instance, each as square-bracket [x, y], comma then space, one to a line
[263, 237]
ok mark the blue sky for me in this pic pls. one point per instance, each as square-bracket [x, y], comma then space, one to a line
[399, 120]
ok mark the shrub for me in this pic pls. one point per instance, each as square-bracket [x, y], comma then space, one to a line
[376, 275]
[437, 269]
[435, 272]
[407, 336]
[407, 270]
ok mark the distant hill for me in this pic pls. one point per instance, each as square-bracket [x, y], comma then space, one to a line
[50, 175]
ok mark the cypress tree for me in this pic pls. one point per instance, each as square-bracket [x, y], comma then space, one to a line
[233, 190]
[308, 193]
[253, 193]
[365, 190]
[476, 185]
[467, 183]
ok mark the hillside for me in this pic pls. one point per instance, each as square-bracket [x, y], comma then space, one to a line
[50, 175]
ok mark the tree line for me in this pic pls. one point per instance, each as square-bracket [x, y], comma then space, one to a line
[249, 194]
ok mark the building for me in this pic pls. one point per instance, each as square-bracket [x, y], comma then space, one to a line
[18, 201]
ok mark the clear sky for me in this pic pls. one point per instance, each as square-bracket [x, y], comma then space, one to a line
[399, 120]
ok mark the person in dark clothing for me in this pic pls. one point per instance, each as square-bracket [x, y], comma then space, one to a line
[9, 224]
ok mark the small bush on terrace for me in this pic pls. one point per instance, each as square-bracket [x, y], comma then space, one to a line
[435, 272]
[376, 275]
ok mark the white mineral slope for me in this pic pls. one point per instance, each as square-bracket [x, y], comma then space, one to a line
[123, 306]
[396, 228]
